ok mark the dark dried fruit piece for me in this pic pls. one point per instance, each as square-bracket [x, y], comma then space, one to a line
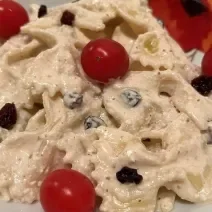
[8, 116]
[128, 175]
[42, 11]
[194, 7]
[130, 97]
[73, 100]
[93, 122]
[202, 84]
[67, 18]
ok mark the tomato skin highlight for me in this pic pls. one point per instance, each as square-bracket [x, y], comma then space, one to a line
[12, 17]
[104, 59]
[207, 63]
[66, 190]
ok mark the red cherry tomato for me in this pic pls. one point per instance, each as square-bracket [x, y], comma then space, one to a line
[207, 63]
[104, 59]
[12, 17]
[67, 190]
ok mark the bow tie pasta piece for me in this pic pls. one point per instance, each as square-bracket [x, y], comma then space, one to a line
[165, 200]
[75, 147]
[15, 42]
[139, 18]
[49, 115]
[151, 111]
[125, 36]
[182, 64]
[152, 50]
[163, 96]
[8, 93]
[116, 149]
[20, 97]
[83, 36]
[182, 166]
[37, 121]
[22, 100]
[61, 72]
[188, 152]
[60, 119]
[31, 158]
[119, 18]
[186, 99]
[37, 147]
[58, 76]
[17, 61]
[85, 14]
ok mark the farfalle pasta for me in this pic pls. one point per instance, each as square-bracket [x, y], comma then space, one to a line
[151, 123]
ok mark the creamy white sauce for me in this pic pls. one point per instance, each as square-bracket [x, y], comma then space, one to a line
[42, 64]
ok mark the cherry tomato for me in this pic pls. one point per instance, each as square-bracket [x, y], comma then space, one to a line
[12, 17]
[66, 190]
[207, 63]
[104, 59]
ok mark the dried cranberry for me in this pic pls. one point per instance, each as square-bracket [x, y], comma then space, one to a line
[8, 115]
[128, 175]
[203, 84]
[67, 18]
[42, 11]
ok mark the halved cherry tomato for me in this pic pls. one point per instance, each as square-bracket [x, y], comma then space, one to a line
[66, 190]
[104, 59]
[12, 17]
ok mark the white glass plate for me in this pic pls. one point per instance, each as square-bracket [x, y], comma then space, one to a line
[14, 207]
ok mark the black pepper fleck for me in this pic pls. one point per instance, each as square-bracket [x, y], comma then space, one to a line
[67, 18]
[42, 11]
[128, 175]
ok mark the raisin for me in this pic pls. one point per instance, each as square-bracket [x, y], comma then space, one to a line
[42, 11]
[128, 175]
[194, 7]
[8, 116]
[73, 100]
[202, 84]
[67, 18]
[93, 122]
[131, 97]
